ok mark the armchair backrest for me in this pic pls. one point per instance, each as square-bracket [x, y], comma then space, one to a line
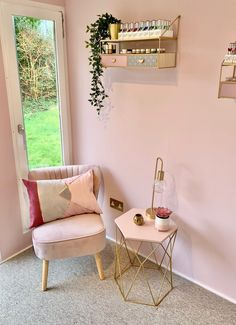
[60, 172]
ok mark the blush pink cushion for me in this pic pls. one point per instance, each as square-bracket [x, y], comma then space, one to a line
[61, 198]
[74, 236]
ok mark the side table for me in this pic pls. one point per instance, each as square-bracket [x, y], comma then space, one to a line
[139, 279]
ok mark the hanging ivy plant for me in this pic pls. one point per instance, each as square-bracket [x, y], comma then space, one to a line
[98, 30]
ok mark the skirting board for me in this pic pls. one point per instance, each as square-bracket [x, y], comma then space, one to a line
[10, 257]
[191, 280]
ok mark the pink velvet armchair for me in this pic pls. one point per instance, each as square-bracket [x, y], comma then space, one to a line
[74, 236]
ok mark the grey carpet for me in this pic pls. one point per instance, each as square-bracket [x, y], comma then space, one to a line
[77, 296]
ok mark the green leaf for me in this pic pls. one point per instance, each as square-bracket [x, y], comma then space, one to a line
[98, 30]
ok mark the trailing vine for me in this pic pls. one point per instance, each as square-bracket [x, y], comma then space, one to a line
[98, 30]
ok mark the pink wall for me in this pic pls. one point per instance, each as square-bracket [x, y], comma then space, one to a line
[12, 240]
[173, 113]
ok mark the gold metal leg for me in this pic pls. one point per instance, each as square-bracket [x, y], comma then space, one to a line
[164, 267]
[45, 275]
[99, 266]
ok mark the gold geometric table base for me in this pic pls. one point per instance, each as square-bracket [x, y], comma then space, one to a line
[139, 280]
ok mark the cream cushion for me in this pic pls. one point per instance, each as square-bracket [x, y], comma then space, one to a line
[52, 199]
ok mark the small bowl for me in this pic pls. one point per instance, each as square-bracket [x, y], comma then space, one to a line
[138, 219]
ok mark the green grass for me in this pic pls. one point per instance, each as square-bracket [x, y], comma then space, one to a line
[43, 138]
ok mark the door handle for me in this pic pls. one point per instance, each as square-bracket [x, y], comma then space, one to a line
[21, 131]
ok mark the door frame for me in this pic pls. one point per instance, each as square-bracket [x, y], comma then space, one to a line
[13, 94]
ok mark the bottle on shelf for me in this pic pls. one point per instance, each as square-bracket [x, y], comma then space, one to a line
[130, 30]
[152, 29]
[159, 24]
[230, 48]
[121, 32]
[126, 28]
[163, 27]
[141, 26]
[145, 29]
[135, 30]
[230, 57]
[136, 26]
[147, 25]
[140, 29]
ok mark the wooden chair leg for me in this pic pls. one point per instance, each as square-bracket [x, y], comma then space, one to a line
[99, 266]
[45, 275]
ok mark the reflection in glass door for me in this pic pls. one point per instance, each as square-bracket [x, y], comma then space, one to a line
[37, 70]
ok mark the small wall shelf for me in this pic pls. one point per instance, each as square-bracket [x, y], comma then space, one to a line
[227, 83]
[160, 52]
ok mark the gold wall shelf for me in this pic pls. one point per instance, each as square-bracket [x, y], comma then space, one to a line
[227, 82]
[157, 60]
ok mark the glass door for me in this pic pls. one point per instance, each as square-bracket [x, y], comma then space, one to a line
[37, 69]
[34, 62]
